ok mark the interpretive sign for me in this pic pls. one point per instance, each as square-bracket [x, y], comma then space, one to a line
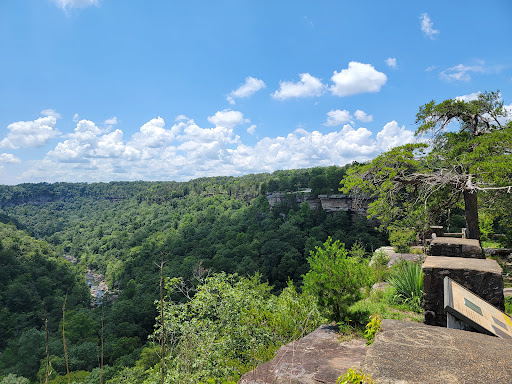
[478, 313]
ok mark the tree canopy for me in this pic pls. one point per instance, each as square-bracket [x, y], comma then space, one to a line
[415, 184]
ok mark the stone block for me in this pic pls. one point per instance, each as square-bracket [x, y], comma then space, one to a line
[406, 353]
[453, 247]
[481, 276]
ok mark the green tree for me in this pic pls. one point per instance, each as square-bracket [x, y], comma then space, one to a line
[11, 378]
[415, 184]
[335, 278]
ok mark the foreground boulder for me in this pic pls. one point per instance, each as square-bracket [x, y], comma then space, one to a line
[319, 357]
[404, 353]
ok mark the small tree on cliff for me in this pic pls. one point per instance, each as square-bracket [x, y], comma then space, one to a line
[415, 183]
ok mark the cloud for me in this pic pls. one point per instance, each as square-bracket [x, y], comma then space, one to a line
[30, 134]
[68, 4]
[460, 72]
[50, 112]
[111, 121]
[392, 136]
[154, 135]
[362, 116]
[186, 151]
[308, 86]
[391, 62]
[508, 112]
[357, 78]
[181, 118]
[337, 117]
[427, 27]
[8, 158]
[249, 88]
[228, 118]
[251, 129]
[470, 97]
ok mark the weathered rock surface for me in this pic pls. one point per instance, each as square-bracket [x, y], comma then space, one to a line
[395, 257]
[316, 358]
[481, 276]
[503, 253]
[407, 353]
[453, 247]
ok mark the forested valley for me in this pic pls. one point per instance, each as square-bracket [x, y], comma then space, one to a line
[215, 237]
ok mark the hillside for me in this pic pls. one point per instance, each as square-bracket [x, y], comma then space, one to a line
[122, 229]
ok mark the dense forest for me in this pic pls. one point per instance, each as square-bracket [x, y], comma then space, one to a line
[123, 230]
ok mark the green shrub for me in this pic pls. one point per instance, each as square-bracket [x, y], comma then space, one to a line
[372, 328]
[379, 263]
[335, 279]
[401, 239]
[508, 305]
[407, 284]
[229, 326]
[355, 377]
[11, 378]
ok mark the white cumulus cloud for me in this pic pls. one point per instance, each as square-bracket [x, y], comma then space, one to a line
[186, 151]
[427, 26]
[308, 86]
[8, 158]
[337, 117]
[111, 121]
[251, 129]
[249, 88]
[363, 116]
[392, 135]
[391, 62]
[357, 78]
[470, 97]
[30, 134]
[153, 134]
[228, 118]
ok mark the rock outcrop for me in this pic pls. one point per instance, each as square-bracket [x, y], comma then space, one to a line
[319, 357]
[406, 353]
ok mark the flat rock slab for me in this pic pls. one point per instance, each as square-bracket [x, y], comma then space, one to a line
[395, 257]
[480, 276]
[405, 353]
[453, 247]
[319, 357]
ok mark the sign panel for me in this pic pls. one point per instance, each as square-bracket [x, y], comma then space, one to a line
[478, 313]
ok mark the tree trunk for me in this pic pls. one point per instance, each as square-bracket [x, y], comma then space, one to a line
[471, 211]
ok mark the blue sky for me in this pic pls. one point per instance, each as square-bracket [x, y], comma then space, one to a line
[101, 90]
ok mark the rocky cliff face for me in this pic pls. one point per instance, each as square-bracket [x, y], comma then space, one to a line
[329, 203]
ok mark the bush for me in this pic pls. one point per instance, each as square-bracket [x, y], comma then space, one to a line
[355, 377]
[11, 378]
[401, 239]
[335, 279]
[508, 305]
[407, 284]
[229, 326]
[372, 328]
[379, 263]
